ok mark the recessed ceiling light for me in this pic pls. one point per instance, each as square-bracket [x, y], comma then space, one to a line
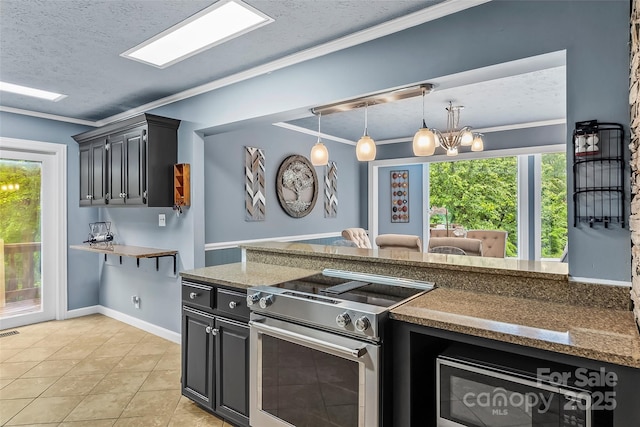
[209, 27]
[29, 91]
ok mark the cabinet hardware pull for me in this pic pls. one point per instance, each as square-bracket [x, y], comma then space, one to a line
[233, 304]
[215, 331]
[193, 295]
[208, 329]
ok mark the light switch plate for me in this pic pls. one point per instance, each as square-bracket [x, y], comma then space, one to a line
[162, 220]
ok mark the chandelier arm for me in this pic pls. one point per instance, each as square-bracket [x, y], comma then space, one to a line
[439, 137]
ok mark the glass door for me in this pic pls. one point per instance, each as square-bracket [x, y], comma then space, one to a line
[24, 297]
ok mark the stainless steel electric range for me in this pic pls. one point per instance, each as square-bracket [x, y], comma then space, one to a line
[317, 347]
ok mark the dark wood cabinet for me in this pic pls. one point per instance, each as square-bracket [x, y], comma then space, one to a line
[127, 166]
[198, 356]
[129, 163]
[215, 350]
[232, 368]
[93, 169]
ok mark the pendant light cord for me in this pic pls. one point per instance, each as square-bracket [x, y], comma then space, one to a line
[366, 108]
[319, 117]
[424, 124]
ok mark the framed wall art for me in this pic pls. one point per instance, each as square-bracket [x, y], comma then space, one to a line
[297, 186]
[331, 190]
[254, 199]
[399, 196]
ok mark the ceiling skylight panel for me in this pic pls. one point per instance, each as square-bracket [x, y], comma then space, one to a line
[212, 26]
[29, 91]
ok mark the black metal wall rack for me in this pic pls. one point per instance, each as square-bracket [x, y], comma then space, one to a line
[598, 174]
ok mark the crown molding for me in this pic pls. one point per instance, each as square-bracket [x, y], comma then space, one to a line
[306, 131]
[514, 126]
[432, 13]
[48, 116]
[447, 7]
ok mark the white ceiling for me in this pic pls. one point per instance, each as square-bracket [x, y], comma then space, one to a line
[73, 47]
[509, 101]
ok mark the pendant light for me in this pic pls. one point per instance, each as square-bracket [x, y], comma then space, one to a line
[319, 153]
[478, 143]
[366, 147]
[424, 141]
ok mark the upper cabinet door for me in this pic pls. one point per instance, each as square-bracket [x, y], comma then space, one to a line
[85, 174]
[135, 184]
[129, 162]
[116, 169]
[99, 172]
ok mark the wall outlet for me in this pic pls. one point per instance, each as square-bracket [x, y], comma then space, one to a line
[162, 220]
[136, 301]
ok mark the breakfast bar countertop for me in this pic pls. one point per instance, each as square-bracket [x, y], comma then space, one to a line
[246, 275]
[601, 334]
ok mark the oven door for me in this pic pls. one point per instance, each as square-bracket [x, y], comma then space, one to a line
[304, 377]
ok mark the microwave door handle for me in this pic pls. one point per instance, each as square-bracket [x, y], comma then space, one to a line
[350, 352]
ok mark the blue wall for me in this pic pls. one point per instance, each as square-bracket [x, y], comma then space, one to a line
[502, 31]
[224, 186]
[82, 267]
[159, 291]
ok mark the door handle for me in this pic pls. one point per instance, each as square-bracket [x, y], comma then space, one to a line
[277, 332]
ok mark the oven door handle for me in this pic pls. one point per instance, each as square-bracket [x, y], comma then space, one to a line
[351, 352]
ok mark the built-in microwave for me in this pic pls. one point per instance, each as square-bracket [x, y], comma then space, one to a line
[473, 393]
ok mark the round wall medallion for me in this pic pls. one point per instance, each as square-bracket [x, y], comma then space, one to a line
[297, 186]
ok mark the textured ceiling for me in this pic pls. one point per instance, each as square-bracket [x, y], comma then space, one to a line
[509, 100]
[73, 47]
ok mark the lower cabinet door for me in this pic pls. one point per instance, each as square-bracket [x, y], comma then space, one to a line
[232, 368]
[198, 354]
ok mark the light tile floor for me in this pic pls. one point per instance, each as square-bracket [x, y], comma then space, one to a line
[93, 371]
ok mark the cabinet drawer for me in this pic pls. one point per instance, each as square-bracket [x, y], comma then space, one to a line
[197, 294]
[232, 302]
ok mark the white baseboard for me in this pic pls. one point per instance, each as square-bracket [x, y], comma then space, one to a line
[84, 311]
[141, 324]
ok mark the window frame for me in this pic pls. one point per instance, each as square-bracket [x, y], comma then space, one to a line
[524, 188]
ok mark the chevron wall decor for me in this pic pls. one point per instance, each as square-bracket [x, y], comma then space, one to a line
[255, 204]
[331, 190]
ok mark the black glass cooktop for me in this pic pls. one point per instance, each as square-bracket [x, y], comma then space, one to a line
[344, 290]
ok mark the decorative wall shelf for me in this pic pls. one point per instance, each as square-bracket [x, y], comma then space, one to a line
[133, 252]
[181, 184]
[598, 174]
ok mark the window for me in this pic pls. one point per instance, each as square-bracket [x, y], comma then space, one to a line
[478, 194]
[553, 205]
[483, 194]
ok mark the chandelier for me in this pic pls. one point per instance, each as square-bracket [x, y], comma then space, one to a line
[454, 136]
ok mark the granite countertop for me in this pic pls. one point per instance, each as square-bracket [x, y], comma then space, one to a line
[503, 266]
[594, 333]
[245, 275]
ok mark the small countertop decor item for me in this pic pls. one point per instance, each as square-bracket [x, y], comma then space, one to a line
[100, 235]
[399, 196]
[297, 186]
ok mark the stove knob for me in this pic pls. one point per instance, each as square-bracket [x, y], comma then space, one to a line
[343, 320]
[362, 324]
[266, 301]
[252, 299]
